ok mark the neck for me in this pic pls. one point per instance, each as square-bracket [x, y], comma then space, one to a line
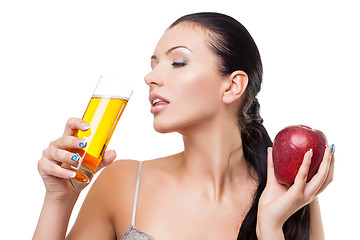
[213, 157]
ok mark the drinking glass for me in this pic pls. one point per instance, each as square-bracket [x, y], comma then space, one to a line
[103, 112]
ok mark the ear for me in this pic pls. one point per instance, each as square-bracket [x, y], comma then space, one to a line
[235, 86]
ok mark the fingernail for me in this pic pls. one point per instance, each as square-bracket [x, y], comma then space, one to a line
[71, 174]
[82, 143]
[332, 148]
[85, 126]
[310, 153]
[75, 157]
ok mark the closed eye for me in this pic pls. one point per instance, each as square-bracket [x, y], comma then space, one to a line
[178, 64]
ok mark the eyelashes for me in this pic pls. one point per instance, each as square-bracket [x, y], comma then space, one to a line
[178, 64]
[173, 64]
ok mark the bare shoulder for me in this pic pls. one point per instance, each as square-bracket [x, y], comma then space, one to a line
[121, 175]
[117, 180]
[159, 174]
[110, 195]
[115, 188]
[119, 169]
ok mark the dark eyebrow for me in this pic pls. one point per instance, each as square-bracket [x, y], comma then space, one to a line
[173, 48]
[170, 50]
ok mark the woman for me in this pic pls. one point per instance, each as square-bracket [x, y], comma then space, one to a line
[206, 73]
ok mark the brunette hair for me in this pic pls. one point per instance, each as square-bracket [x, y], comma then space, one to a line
[235, 49]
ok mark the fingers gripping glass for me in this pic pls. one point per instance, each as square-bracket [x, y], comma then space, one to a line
[103, 112]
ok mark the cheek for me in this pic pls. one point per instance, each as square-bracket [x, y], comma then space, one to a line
[199, 93]
[205, 86]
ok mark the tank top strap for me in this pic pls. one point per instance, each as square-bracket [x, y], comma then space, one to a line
[136, 193]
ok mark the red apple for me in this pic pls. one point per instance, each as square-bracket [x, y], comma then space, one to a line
[290, 146]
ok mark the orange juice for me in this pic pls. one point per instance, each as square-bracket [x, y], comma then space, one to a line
[102, 114]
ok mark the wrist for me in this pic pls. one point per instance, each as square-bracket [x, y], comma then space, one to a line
[264, 233]
[61, 200]
[269, 230]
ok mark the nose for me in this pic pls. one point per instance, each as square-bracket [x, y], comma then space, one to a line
[153, 78]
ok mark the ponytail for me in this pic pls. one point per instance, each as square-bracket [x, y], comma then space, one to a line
[256, 141]
[255, 146]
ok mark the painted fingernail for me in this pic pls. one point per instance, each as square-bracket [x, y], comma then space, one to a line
[332, 148]
[82, 143]
[75, 157]
[85, 126]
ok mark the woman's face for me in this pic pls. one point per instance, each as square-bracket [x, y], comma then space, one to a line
[185, 84]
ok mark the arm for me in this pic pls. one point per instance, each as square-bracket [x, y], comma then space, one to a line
[316, 227]
[61, 191]
[54, 217]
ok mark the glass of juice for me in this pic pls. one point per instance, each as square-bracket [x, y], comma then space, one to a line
[103, 112]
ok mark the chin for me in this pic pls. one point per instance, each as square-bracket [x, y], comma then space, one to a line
[179, 122]
[163, 128]
[169, 125]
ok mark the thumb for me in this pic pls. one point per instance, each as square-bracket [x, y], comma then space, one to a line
[108, 158]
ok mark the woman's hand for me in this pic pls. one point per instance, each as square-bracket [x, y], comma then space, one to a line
[278, 202]
[58, 181]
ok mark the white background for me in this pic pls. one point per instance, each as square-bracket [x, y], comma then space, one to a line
[53, 52]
